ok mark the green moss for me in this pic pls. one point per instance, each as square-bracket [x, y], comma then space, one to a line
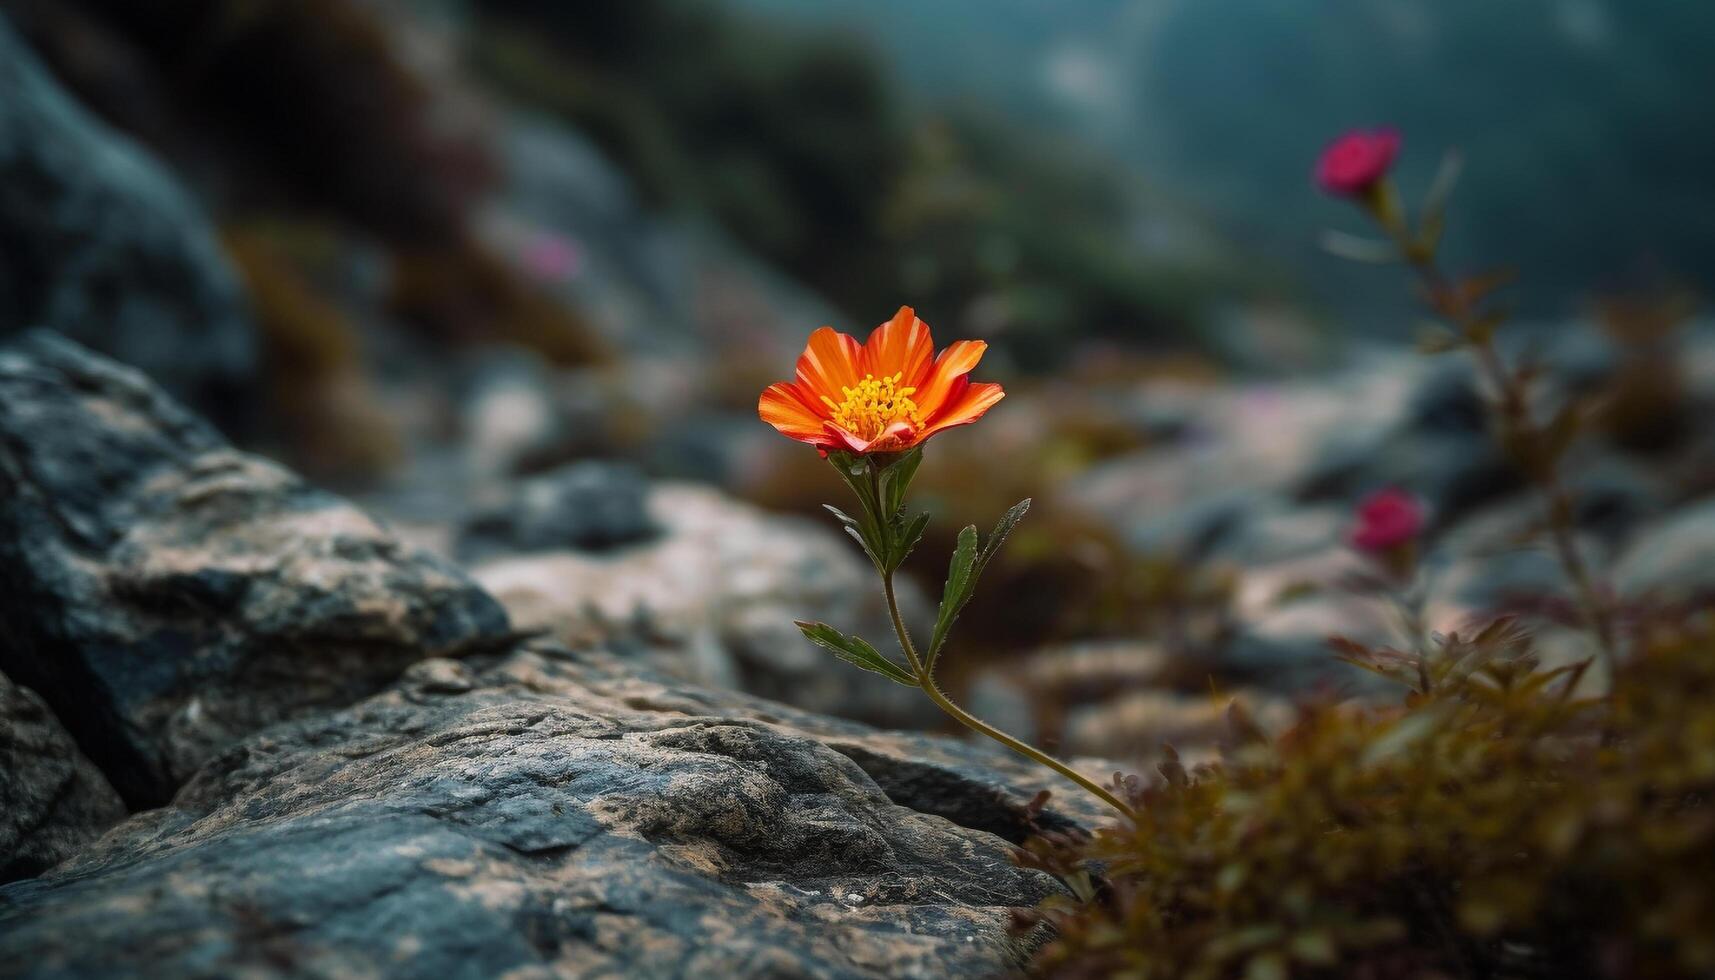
[1503, 825]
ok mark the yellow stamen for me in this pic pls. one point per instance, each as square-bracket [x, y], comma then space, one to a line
[874, 404]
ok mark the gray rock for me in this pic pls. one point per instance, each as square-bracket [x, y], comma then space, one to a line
[1439, 449]
[712, 597]
[102, 245]
[588, 506]
[166, 593]
[1674, 559]
[52, 799]
[507, 412]
[543, 813]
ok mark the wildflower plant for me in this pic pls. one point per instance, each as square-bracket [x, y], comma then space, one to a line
[1496, 821]
[1387, 533]
[1358, 166]
[868, 409]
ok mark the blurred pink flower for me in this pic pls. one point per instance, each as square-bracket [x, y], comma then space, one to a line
[552, 259]
[1357, 161]
[1386, 520]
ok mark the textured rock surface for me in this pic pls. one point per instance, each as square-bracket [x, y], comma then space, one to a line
[52, 799]
[712, 598]
[591, 506]
[102, 245]
[546, 813]
[166, 593]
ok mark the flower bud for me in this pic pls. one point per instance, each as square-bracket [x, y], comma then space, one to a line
[1356, 163]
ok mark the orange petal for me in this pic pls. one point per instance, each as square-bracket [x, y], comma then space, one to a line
[949, 370]
[896, 437]
[902, 345]
[829, 363]
[783, 406]
[964, 408]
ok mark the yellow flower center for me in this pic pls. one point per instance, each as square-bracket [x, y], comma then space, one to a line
[874, 404]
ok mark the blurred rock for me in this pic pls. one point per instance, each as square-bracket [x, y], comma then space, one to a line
[1134, 725]
[508, 413]
[589, 506]
[1243, 449]
[1438, 448]
[1092, 669]
[546, 814]
[1286, 612]
[1614, 495]
[167, 594]
[104, 246]
[713, 597]
[572, 222]
[1673, 559]
[1001, 702]
[52, 799]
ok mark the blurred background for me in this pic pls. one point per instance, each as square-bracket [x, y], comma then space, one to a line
[513, 272]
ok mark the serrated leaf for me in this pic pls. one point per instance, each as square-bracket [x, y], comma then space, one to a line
[963, 571]
[1359, 249]
[1001, 530]
[855, 651]
[905, 541]
[960, 578]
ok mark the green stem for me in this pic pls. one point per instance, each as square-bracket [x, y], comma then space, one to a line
[899, 626]
[1515, 417]
[1410, 608]
[927, 680]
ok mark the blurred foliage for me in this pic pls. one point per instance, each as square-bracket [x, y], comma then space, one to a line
[461, 291]
[1646, 407]
[1594, 163]
[1503, 824]
[305, 103]
[321, 401]
[796, 142]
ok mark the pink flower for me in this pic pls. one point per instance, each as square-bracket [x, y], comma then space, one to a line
[1386, 520]
[1357, 161]
[552, 259]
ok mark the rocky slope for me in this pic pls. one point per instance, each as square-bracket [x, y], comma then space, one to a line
[370, 774]
[104, 245]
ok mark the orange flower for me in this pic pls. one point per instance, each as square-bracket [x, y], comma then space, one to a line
[884, 396]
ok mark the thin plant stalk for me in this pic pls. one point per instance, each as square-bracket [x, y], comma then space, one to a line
[926, 679]
[1516, 420]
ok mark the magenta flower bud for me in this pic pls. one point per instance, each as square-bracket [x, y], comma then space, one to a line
[1387, 520]
[1355, 163]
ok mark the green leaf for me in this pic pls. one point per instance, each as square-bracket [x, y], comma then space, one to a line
[862, 531]
[854, 470]
[854, 650]
[960, 583]
[963, 571]
[1001, 531]
[896, 480]
[906, 540]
